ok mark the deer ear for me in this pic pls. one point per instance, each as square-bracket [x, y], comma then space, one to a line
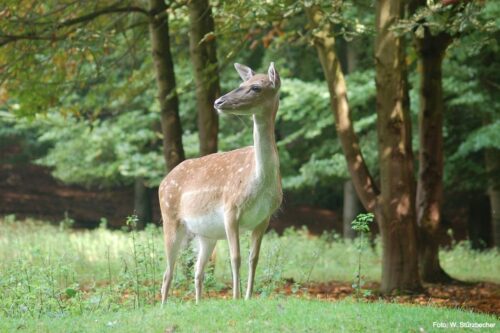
[245, 72]
[274, 77]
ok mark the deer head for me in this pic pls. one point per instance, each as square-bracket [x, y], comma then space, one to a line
[255, 95]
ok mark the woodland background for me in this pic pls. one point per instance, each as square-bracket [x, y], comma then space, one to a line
[100, 99]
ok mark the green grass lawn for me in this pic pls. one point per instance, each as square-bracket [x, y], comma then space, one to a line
[258, 315]
[55, 279]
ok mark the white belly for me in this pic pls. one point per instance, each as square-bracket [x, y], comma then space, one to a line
[209, 222]
[210, 225]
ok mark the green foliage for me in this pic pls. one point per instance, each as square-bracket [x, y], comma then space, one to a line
[51, 271]
[305, 122]
[485, 137]
[116, 150]
[94, 81]
[362, 222]
[52, 277]
[471, 119]
[470, 21]
[102, 152]
[64, 58]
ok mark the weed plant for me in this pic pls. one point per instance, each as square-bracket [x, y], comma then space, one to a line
[361, 225]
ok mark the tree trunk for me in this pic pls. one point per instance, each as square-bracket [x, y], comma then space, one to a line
[430, 178]
[352, 55]
[165, 77]
[142, 203]
[352, 207]
[396, 203]
[204, 58]
[395, 206]
[493, 168]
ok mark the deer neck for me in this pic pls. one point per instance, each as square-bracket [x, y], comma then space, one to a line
[266, 152]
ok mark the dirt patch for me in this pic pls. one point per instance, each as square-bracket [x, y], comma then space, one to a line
[479, 297]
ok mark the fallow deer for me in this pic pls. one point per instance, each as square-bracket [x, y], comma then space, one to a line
[219, 195]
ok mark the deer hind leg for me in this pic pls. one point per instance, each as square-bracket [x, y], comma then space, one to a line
[174, 234]
[233, 238]
[253, 258]
[205, 249]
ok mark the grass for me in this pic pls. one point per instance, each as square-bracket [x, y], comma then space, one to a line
[53, 278]
[261, 315]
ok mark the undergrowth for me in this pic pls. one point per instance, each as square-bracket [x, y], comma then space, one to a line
[55, 271]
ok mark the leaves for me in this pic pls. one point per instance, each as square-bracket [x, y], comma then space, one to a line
[88, 77]
[362, 222]
[70, 292]
[104, 153]
[485, 137]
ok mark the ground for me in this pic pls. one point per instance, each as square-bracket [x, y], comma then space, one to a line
[478, 297]
[58, 279]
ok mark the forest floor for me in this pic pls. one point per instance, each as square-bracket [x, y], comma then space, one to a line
[55, 277]
[483, 297]
[478, 297]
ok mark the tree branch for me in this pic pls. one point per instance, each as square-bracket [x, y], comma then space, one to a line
[325, 46]
[104, 11]
[49, 34]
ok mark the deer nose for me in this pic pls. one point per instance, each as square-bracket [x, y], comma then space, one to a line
[219, 102]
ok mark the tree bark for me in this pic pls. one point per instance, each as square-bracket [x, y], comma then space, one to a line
[352, 55]
[165, 77]
[204, 59]
[142, 203]
[352, 207]
[430, 178]
[396, 203]
[493, 168]
[394, 207]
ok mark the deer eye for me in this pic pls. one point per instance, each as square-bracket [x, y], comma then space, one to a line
[255, 88]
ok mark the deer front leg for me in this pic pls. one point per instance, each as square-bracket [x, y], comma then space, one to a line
[233, 238]
[253, 258]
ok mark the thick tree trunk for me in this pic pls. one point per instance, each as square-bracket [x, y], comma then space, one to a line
[202, 47]
[165, 77]
[493, 168]
[352, 207]
[430, 182]
[204, 58]
[142, 203]
[396, 203]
